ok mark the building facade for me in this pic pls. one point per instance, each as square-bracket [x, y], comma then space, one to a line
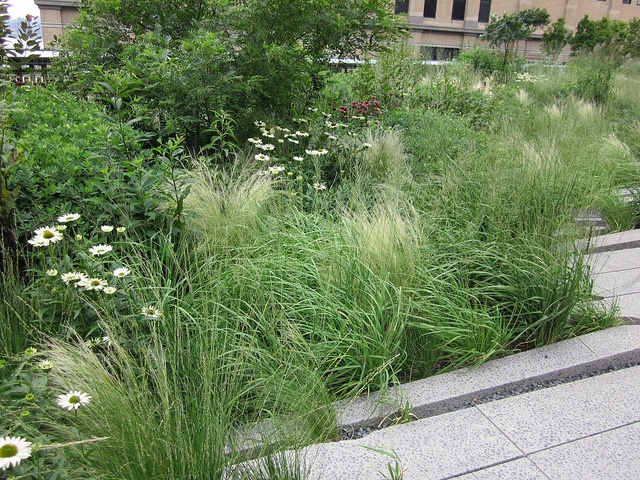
[444, 25]
[455, 24]
[54, 16]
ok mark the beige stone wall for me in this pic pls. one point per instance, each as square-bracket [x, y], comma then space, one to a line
[427, 31]
[54, 16]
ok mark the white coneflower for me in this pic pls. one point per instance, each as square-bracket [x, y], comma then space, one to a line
[44, 236]
[72, 277]
[106, 228]
[121, 272]
[151, 312]
[266, 146]
[68, 217]
[92, 284]
[262, 157]
[45, 365]
[13, 450]
[293, 140]
[255, 140]
[100, 249]
[301, 133]
[276, 169]
[73, 400]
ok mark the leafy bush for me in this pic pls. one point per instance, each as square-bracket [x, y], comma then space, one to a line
[77, 158]
[482, 60]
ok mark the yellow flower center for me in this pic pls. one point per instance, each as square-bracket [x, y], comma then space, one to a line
[48, 234]
[8, 451]
[74, 399]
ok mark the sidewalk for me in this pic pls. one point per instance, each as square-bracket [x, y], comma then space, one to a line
[584, 429]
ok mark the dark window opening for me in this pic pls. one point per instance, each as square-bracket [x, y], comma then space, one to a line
[485, 11]
[457, 12]
[430, 8]
[626, 2]
[403, 6]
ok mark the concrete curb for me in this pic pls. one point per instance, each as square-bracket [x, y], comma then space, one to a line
[592, 353]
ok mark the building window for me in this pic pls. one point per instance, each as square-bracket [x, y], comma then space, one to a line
[485, 11]
[459, 6]
[403, 6]
[626, 2]
[430, 8]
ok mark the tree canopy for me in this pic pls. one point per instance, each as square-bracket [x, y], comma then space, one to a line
[506, 31]
[199, 57]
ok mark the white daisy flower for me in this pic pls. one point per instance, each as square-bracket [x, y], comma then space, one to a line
[319, 186]
[68, 217]
[262, 157]
[301, 133]
[13, 450]
[110, 290]
[266, 146]
[121, 272]
[121, 229]
[46, 235]
[276, 169]
[259, 124]
[106, 228]
[254, 140]
[73, 400]
[293, 140]
[298, 159]
[52, 272]
[92, 284]
[100, 249]
[72, 277]
[45, 365]
[151, 312]
[61, 228]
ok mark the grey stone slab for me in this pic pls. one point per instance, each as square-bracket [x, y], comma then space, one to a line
[445, 392]
[431, 448]
[520, 469]
[614, 261]
[613, 241]
[612, 455]
[616, 341]
[549, 417]
[621, 282]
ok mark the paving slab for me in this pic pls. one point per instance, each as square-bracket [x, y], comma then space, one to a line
[616, 260]
[612, 241]
[567, 412]
[432, 448]
[520, 469]
[620, 282]
[611, 455]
